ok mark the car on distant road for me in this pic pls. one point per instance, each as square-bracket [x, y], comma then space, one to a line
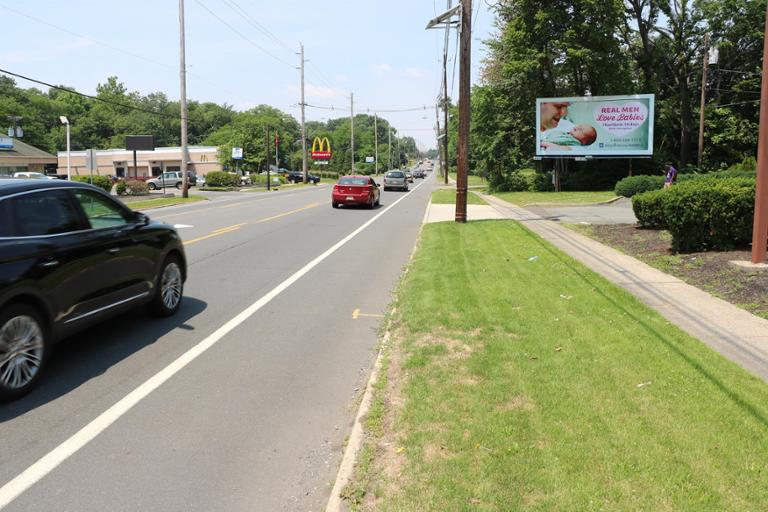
[356, 190]
[33, 175]
[418, 173]
[298, 177]
[395, 179]
[71, 256]
[409, 176]
[171, 179]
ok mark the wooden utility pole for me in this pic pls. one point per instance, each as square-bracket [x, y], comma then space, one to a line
[703, 100]
[760, 225]
[352, 128]
[266, 151]
[462, 160]
[445, 100]
[376, 142]
[437, 138]
[183, 103]
[389, 145]
[304, 170]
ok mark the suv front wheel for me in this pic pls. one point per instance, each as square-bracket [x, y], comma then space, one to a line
[169, 288]
[24, 348]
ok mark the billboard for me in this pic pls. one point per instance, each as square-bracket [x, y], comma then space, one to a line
[595, 126]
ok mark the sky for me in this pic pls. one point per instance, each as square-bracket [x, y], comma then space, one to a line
[244, 52]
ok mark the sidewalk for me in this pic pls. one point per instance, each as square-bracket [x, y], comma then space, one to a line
[733, 332]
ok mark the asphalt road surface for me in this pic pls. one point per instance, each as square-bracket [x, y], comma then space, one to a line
[243, 400]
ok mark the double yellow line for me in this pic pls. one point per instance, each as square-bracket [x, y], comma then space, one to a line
[235, 227]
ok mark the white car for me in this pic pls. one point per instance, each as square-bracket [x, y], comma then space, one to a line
[33, 175]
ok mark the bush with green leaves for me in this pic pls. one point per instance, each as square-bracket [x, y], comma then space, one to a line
[132, 188]
[632, 185]
[541, 182]
[222, 179]
[649, 209]
[711, 213]
[103, 182]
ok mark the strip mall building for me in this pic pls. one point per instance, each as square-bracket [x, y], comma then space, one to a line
[119, 162]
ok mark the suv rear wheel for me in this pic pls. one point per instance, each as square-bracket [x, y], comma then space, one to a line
[24, 348]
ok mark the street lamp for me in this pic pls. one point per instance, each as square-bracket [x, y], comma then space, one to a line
[65, 122]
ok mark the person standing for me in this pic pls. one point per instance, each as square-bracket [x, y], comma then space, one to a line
[670, 174]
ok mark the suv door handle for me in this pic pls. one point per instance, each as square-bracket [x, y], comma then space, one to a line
[113, 250]
[48, 264]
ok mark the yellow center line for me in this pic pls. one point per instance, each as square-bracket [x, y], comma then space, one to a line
[357, 314]
[235, 227]
[297, 210]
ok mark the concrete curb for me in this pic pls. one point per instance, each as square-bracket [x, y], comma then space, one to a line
[355, 442]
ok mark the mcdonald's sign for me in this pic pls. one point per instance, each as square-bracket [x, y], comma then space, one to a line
[321, 148]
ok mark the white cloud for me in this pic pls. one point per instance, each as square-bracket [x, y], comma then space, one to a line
[46, 53]
[415, 72]
[382, 67]
[316, 91]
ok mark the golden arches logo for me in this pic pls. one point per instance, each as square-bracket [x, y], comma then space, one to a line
[321, 148]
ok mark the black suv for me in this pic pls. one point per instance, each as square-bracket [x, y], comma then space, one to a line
[71, 256]
[298, 177]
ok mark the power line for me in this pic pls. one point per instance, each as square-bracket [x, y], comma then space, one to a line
[233, 29]
[258, 26]
[95, 98]
[114, 48]
[370, 109]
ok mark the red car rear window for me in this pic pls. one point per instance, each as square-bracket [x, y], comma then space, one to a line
[353, 181]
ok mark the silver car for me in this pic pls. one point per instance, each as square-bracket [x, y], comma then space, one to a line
[395, 179]
[171, 179]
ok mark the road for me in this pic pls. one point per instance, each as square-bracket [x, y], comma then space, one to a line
[257, 420]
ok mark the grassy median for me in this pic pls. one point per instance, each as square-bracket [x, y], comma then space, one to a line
[163, 201]
[555, 198]
[524, 381]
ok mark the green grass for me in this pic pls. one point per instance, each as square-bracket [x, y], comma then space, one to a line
[531, 383]
[163, 201]
[472, 181]
[448, 196]
[528, 198]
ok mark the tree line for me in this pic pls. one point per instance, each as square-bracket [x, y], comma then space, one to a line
[103, 124]
[551, 48]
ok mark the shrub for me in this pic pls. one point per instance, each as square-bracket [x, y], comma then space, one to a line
[222, 179]
[632, 185]
[541, 182]
[710, 213]
[102, 182]
[649, 209]
[132, 188]
[516, 182]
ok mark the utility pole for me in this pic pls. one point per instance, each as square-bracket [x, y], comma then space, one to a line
[376, 141]
[445, 100]
[183, 102]
[437, 138]
[760, 224]
[352, 128]
[303, 125]
[399, 158]
[389, 145]
[462, 161]
[703, 99]
[266, 151]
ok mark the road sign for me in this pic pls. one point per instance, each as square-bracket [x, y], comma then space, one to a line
[321, 148]
[369, 160]
[237, 153]
[321, 162]
[91, 162]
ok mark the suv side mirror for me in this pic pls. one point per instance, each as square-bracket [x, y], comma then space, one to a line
[142, 219]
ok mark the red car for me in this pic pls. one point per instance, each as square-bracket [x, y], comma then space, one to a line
[355, 190]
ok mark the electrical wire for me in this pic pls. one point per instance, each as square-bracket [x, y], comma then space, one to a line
[370, 109]
[233, 29]
[232, 4]
[95, 98]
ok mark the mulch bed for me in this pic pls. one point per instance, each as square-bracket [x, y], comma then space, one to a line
[708, 271]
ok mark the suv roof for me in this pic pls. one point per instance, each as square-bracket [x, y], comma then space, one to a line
[16, 185]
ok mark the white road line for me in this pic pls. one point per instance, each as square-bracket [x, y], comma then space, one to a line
[34, 473]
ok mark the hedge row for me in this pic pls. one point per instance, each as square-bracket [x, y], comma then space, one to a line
[632, 185]
[103, 182]
[222, 179]
[701, 214]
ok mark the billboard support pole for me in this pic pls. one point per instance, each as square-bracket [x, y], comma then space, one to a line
[760, 225]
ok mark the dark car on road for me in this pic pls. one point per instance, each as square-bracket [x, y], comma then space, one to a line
[298, 177]
[355, 190]
[71, 256]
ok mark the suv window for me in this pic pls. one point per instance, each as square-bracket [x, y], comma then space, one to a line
[395, 174]
[101, 211]
[44, 213]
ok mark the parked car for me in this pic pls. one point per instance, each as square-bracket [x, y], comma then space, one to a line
[298, 177]
[33, 175]
[395, 179]
[71, 256]
[351, 190]
[200, 181]
[171, 179]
